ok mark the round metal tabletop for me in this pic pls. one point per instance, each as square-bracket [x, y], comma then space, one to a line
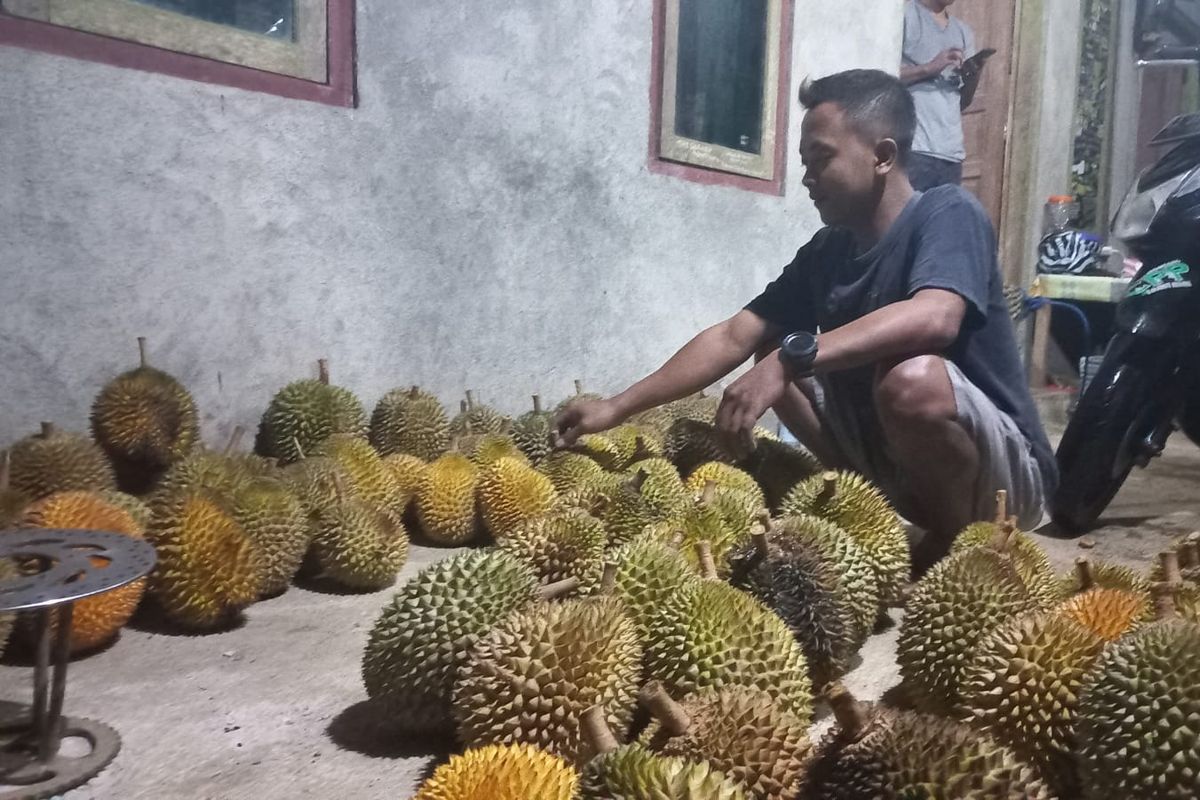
[74, 564]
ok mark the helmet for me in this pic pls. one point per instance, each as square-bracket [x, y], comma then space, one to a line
[1068, 252]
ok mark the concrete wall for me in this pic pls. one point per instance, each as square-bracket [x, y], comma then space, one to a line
[484, 219]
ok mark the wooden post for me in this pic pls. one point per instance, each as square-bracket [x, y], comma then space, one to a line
[1041, 344]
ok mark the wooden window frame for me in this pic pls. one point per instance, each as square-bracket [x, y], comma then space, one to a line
[338, 89]
[661, 163]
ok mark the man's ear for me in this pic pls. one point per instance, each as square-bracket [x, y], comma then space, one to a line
[887, 156]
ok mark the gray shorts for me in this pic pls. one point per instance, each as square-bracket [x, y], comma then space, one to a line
[1005, 456]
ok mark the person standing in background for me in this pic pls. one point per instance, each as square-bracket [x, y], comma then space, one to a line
[941, 72]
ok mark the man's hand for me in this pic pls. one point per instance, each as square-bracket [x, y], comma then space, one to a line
[746, 400]
[950, 57]
[590, 416]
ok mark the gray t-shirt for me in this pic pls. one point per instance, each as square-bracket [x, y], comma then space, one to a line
[939, 118]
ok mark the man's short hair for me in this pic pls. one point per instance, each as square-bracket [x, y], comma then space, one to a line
[876, 103]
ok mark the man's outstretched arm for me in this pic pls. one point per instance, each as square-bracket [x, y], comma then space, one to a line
[710, 355]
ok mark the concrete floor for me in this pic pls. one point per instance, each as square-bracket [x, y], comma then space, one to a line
[274, 709]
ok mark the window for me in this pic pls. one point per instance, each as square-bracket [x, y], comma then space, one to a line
[720, 91]
[296, 48]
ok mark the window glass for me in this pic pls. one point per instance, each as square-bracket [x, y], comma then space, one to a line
[274, 18]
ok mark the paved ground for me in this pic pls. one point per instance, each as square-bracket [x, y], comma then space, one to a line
[274, 709]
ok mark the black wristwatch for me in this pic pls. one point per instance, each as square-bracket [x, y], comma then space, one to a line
[798, 351]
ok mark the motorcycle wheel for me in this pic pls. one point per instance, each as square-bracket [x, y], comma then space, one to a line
[1121, 409]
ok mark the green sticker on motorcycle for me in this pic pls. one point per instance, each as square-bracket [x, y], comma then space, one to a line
[1172, 275]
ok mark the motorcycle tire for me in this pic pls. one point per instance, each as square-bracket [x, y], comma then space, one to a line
[1101, 445]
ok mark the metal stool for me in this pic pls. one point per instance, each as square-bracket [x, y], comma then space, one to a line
[68, 571]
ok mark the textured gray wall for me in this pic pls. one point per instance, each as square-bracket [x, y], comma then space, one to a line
[484, 219]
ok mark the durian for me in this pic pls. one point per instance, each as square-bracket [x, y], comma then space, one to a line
[478, 419]
[274, 520]
[561, 545]
[568, 470]
[690, 443]
[445, 503]
[1108, 613]
[724, 476]
[1030, 560]
[534, 432]
[425, 633]
[54, 461]
[1107, 576]
[304, 414]
[408, 471]
[502, 772]
[653, 494]
[648, 573]
[738, 730]
[1138, 718]
[532, 677]
[207, 568]
[512, 492]
[1022, 687]
[130, 505]
[12, 501]
[410, 422]
[202, 470]
[778, 467]
[580, 396]
[95, 620]
[145, 421]
[370, 479]
[961, 600]
[875, 752]
[632, 772]
[709, 634]
[359, 546]
[857, 507]
[492, 447]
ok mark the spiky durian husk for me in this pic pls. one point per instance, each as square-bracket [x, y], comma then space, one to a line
[95, 620]
[904, 755]
[371, 480]
[663, 488]
[858, 508]
[661, 496]
[601, 449]
[410, 422]
[568, 470]
[743, 733]
[961, 600]
[445, 503]
[593, 496]
[359, 546]
[319, 483]
[534, 674]
[1028, 557]
[274, 520]
[648, 574]
[1108, 613]
[578, 397]
[510, 493]
[778, 467]
[207, 567]
[567, 544]
[796, 582]
[724, 476]
[306, 413]
[690, 443]
[59, 462]
[1107, 576]
[634, 773]
[710, 634]
[533, 432]
[1022, 687]
[12, 506]
[1138, 719]
[501, 772]
[130, 505]
[408, 471]
[145, 417]
[203, 470]
[477, 420]
[492, 447]
[422, 637]
[704, 523]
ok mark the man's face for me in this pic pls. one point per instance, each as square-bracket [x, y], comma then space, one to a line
[839, 166]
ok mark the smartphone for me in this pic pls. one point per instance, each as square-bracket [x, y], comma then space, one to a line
[976, 61]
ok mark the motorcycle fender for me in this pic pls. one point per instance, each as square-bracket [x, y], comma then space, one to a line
[1162, 302]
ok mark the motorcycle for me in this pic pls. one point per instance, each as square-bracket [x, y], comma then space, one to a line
[1148, 384]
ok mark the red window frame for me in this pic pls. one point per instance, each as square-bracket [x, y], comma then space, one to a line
[689, 172]
[338, 90]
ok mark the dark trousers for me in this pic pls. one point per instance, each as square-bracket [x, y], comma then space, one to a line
[926, 172]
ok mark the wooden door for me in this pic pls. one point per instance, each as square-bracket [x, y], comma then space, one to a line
[985, 123]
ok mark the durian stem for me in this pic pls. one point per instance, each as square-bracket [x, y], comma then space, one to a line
[828, 487]
[1189, 554]
[608, 578]
[1169, 561]
[596, 731]
[1085, 572]
[537, 404]
[1003, 539]
[708, 566]
[761, 545]
[674, 719]
[1001, 506]
[235, 439]
[578, 386]
[710, 491]
[677, 539]
[414, 392]
[638, 480]
[852, 716]
[470, 398]
[1164, 600]
[553, 591]
[764, 519]
[143, 361]
[299, 450]
[462, 406]
[5, 470]
[323, 370]
[48, 429]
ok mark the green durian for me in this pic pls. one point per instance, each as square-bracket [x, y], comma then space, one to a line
[410, 422]
[53, 461]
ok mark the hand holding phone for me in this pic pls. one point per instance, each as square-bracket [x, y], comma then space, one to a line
[976, 62]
